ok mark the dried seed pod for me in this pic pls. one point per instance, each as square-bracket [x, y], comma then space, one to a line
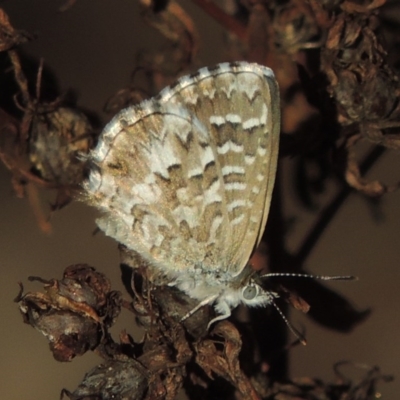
[112, 380]
[57, 138]
[73, 313]
[43, 149]
[295, 28]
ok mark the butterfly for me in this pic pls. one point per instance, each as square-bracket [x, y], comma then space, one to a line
[185, 180]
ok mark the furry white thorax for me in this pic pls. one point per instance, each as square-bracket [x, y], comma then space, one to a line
[226, 294]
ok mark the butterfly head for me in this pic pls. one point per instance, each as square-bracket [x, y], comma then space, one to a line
[250, 294]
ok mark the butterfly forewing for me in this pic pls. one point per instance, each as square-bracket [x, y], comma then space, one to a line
[240, 108]
[186, 178]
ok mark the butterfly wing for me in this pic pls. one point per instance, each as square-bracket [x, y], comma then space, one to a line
[239, 105]
[185, 179]
[155, 178]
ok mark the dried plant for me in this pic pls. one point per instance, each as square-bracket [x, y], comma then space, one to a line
[338, 87]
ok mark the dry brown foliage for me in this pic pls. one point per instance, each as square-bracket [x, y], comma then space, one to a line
[338, 87]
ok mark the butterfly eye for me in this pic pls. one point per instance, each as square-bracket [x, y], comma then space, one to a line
[250, 292]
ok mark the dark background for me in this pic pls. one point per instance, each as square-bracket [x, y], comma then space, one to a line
[92, 48]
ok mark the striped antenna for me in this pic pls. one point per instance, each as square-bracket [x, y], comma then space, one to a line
[296, 333]
[310, 276]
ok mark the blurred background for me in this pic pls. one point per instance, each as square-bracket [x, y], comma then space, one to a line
[92, 48]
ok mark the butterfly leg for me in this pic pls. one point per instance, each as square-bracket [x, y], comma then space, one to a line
[203, 303]
[225, 312]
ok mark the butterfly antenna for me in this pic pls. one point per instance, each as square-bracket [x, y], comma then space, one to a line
[295, 332]
[321, 277]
